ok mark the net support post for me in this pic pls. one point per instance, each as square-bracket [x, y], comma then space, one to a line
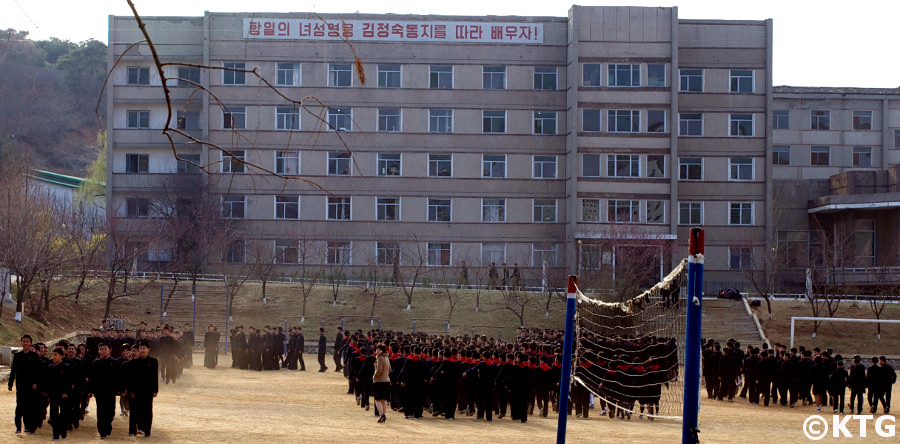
[690, 425]
[566, 377]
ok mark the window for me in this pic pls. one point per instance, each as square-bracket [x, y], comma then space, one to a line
[590, 257]
[691, 80]
[544, 167]
[188, 164]
[656, 165]
[440, 120]
[590, 74]
[656, 74]
[338, 208]
[388, 76]
[590, 165]
[338, 253]
[137, 207]
[741, 168]
[493, 210]
[864, 242]
[740, 258]
[543, 254]
[440, 77]
[820, 156]
[439, 210]
[233, 206]
[287, 74]
[286, 252]
[494, 77]
[234, 117]
[387, 208]
[137, 163]
[187, 120]
[287, 118]
[188, 76]
[340, 75]
[138, 119]
[862, 156]
[544, 77]
[590, 120]
[287, 163]
[544, 123]
[781, 155]
[389, 120]
[623, 211]
[656, 121]
[287, 207]
[493, 121]
[624, 75]
[897, 138]
[234, 74]
[656, 212]
[438, 254]
[740, 213]
[820, 119]
[493, 166]
[492, 254]
[440, 165]
[388, 164]
[590, 210]
[623, 165]
[741, 124]
[862, 120]
[741, 81]
[690, 213]
[338, 164]
[387, 253]
[623, 121]
[781, 119]
[690, 124]
[340, 119]
[233, 162]
[234, 252]
[138, 75]
[544, 210]
[690, 168]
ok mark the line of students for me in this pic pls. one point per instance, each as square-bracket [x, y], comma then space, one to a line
[63, 382]
[808, 376]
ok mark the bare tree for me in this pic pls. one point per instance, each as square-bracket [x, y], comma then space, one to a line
[310, 257]
[886, 282]
[415, 266]
[126, 248]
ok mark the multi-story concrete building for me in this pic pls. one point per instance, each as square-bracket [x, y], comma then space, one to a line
[557, 144]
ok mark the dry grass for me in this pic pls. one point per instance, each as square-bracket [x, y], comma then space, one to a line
[226, 405]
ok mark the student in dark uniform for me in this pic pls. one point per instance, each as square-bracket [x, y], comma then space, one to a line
[857, 383]
[323, 344]
[338, 346]
[519, 381]
[301, 344]
[78, 373]
[57, 384]
[187, 338]
[889, 378]
[105, 383]
[142, 386]
[873, 382]
[838, 382]
[211, 347]
[818, 374]
[412, 379]
[25, 373]
[254, 350]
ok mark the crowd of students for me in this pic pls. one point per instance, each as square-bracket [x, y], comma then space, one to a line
[797, 375]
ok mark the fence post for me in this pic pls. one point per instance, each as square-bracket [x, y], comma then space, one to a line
[500, 333]
[447, 327]
[342, 323]
[414, 326]
[227, 316]
[379, 324]
[194, 321]
[161, 314]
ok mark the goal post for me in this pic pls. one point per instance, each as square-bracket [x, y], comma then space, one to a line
[794, 320]
[691, 410]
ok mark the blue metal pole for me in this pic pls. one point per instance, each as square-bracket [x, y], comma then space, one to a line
[690, 424]
[568, 345]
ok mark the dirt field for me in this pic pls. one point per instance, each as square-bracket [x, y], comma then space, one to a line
[225, 405]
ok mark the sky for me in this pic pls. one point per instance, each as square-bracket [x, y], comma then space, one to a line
[821, 43]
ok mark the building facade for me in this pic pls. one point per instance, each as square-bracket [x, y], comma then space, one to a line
[387, 143]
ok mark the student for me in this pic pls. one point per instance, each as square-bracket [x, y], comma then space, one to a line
[58, 384]
[323, 341]
[211, 347]
[142, 386]
[25, 373]
[839, 377]
[105, 383]
[889, 378]
[857, 383]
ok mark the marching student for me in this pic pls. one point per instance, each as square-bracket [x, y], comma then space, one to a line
[142, 386]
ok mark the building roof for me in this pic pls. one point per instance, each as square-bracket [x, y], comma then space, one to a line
[59, 179]
[834, 90]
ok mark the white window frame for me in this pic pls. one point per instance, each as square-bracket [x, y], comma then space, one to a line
[436, 123]
[385, 164]
[690, 209]
[141, 118]
[489, 162]
[384, 120]
[491, 248]
[741, 253]
[613, 115]
[734, 123]
[235, 78]
[820, 119]
[632, 205]
[493, 210]
[435, 205]
[338, 205]
[140, 205]
[687, 122]
[857, 118]
[381, 208]
[540, 208]
[541, 121]
[539, 165]
[539, 77]
[614, 70]
[689, 166]
[435, 76]
[386, 75]
[137, 163]
[337, 73]
[740, 222]
[665, 79]
[337, 116]
[737, 77]
[613, 164]
[141, 77]
[858, 153]
[737, 171]
[235, 252]
[684, 80]
[485, 118]
[234, 118]
[335, 160]
[283, 203]
[545, 249]
[340, 250]
[283, 249]
[490, 74]
[777, 152]
[388, 252]
[287, 74]
[431, 258]
[230, 162]
[287, 118]
[434, 165]
[188, 76]
[287, 163]
[780, 115]
[647, 205]
[818, 150]
[230, 201]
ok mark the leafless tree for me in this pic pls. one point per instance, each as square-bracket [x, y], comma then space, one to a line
[126, 248]
[886, 281]
[415, 266]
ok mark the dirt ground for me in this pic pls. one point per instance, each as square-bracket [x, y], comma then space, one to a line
[226, 405]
